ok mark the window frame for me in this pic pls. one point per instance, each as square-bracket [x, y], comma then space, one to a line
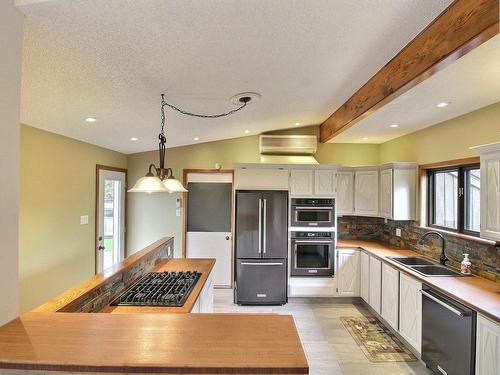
[461, 197]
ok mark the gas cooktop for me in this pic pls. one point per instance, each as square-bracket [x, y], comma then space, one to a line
[168, 289]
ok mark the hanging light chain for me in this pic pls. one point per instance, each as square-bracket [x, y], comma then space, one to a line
[164, 103]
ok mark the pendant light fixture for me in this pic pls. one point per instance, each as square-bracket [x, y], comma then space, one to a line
[161, 179]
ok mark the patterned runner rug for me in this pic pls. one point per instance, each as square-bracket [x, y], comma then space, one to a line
[376, 341]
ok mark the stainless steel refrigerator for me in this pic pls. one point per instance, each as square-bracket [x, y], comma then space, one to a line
[261, 247]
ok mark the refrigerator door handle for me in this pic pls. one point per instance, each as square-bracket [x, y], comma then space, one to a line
[261, 264]
[265, 227]
[260, 225]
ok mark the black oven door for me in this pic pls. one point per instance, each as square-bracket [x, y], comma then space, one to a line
[312, 257]
[313, 216]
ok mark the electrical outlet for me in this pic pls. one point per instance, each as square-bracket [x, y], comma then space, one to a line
[398, 232]
[84, 220]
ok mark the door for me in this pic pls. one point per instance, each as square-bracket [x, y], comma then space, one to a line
[301, 182]
[490, 196]
[261, 281]
[345, 192]
[375, 284]
[386, 193]
[487, 347]
[208, 222]
[324, 182]
[274, 224]
[248, 224]
[110, 214]
[365, 276]
[366, 193]
[390, 295]
[348, 272]
[410, 310]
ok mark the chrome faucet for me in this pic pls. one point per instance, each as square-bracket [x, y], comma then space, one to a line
[443, 258]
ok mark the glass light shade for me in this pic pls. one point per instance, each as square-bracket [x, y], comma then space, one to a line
[149, 184]
[173, 185]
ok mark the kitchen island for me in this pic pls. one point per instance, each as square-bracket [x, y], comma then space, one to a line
[74, 332]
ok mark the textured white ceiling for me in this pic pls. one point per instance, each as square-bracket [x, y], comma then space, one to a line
[470, 83]
[112, 59]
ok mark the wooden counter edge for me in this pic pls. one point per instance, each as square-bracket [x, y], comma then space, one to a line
[66, 298]
[426, 280]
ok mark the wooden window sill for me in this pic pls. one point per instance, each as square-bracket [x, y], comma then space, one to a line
[462, 236]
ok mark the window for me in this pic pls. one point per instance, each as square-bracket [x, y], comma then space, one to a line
[453, 202]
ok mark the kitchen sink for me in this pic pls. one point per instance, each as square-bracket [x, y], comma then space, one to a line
[435, 270]
[425, 267]
[412, 261]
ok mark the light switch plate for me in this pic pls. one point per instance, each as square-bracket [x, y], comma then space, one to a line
[178, 212]
[178, 203]
[398, 232]
[84, 219]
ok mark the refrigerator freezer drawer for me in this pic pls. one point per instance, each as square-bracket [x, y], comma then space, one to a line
[261, 282]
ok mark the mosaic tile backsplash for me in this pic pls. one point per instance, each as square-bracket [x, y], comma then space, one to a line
[485, 259]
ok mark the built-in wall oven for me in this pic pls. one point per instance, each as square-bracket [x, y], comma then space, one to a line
[312, 253]
[313, 212]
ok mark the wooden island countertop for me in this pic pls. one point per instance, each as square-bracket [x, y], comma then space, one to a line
[204, 266]
[158, 343]
[478, 293]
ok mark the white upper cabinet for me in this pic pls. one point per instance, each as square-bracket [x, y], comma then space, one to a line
[398, 183]
[366, 192]
[386, 193]
[301, 182]
[325, 182]
[487, 347]
[313, 181]
[490, 190]
[261, 178]
[348, 272]
[345, 193]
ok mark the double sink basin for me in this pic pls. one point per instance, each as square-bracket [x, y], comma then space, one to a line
[425, 267]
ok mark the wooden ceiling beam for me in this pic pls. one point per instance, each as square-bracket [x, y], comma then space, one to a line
[463, 26]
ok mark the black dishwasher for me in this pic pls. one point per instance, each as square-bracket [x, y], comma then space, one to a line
[448, 334]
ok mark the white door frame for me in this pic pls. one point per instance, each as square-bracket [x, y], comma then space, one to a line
[99, 206]
[185, 181]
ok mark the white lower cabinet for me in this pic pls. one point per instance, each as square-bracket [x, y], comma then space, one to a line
[390, 295]
[348, 272]
[374, 298]
[410, 311]
[487, 347]
[364, 287]
[205, 301]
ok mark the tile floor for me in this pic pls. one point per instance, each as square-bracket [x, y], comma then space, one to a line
[330, 349]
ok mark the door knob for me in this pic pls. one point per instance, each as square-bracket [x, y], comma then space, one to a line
[227, 238]
[100, 247]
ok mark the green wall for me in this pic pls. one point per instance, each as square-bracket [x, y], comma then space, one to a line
[446, 141]
[57, 186]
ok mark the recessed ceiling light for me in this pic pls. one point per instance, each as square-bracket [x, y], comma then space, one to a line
[247, 131]
[297, 123]
[196, 138]
[90, 119]
[442, 105]
[394, 126]
[133, 139]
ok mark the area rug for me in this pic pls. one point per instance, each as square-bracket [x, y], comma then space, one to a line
[375, 340]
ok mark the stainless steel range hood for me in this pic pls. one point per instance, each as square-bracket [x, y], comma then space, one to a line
[288, 149]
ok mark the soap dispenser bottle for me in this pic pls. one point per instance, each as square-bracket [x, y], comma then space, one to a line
[465, 265]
